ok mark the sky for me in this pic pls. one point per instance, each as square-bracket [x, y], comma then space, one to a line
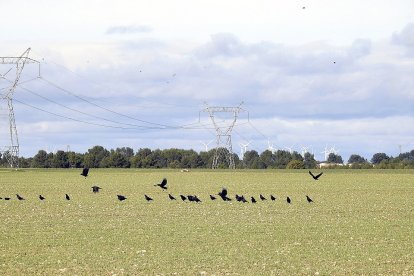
[308, 74]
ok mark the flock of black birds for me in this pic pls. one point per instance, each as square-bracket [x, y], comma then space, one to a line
[223, 194]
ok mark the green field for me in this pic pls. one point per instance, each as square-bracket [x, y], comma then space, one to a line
[361, 223]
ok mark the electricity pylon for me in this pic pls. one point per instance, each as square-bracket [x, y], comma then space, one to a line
[223, 133]
[11, 151]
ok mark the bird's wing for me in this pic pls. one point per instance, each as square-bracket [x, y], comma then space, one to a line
[311, 174]
[164, 182]
[317, 176]
[224, 192]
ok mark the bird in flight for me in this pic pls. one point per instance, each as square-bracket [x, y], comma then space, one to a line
[309, 199]
[148, 198]
[171, 197]
[288, 200]
[67, 197]
[121, 197]
[85, 172]
[96, 189]
[316, 177]
[163, 184]
[223, 195]
[41, 197]
[19, 197]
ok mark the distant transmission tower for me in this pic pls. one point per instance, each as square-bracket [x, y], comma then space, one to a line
[11, 151]
[223, 132]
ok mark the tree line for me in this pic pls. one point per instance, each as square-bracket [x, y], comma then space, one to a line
[125, 157]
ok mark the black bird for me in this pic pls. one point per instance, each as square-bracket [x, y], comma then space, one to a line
[183, 198]
[121, 197]
[262, 197]
[223, 195]
[7, 198]
[1, 198]
[41, 197]
[19, 197]
[67, 197]
[315, 176]
[190, 198]
[242, 199]
[171, 197]
[288, 200]
[96, 189]
[272, 197]
[196, 199]
[309, 199]
[148, 198]
[163, 184]
[85, 172]
[253, 200]
[212, 197]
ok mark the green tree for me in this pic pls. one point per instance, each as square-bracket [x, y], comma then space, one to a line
[40, 160]
[355, 158]
[60, 160]
[283, 158]
[379, 157]
[95, 155]
[335, 158]
[309, 161]
[268, 159]
[251, 159]
[295, 164]
[142, 158]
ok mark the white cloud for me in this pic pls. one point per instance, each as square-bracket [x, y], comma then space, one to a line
[128, 29]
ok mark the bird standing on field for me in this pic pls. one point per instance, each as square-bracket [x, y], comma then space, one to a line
[121, 197]
[171, 197]
[309, 199]
[85, 172]
[41, 197]
[67, 197]
[288, 200]
[19, 197]
[316, 177]
[148, 198]
[96, 189]
[262, 197]
[253, 200]
[272, 197]
[183, 198]
[212, 197]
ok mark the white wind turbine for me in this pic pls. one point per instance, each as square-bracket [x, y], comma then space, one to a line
[243, 149]
[327, 151]
[206, 144]
[290, 149]
[305, 149]
[270, 147]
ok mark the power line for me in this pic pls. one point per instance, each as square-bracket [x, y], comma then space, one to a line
[69, 118]
[104, 108]
[100, 85]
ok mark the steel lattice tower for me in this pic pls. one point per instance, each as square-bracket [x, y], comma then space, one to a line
[223, 133]
[11, 151]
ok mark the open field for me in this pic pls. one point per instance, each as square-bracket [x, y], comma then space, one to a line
[362, 223]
